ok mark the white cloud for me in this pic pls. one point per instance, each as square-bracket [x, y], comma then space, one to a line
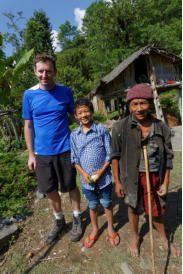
[79, 15]
[55, 44]
[110, 2]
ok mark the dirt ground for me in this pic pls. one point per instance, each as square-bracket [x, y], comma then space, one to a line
[28, 253]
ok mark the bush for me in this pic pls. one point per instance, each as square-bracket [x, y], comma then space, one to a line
[169, 103]
[114, 115]
[3, 145]
[16, 184]
[73, 126]
[14, 146]
[99, 118]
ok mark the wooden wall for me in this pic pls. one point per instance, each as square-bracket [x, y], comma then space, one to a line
[164, 68]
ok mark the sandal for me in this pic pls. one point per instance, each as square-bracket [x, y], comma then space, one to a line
[88, 242]
[113, 238]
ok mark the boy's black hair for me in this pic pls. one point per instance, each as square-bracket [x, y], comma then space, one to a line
[83, 102]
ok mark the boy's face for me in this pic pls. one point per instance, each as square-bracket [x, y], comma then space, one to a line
[84, 115]
[140, 108]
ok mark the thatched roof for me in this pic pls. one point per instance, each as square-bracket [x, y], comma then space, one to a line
[125, 63]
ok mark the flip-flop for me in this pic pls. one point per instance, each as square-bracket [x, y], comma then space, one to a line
[113, 238]
[90, 241]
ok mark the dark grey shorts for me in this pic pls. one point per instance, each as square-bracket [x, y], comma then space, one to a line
[53, 170]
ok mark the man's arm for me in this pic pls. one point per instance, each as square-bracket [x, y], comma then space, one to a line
[28, 134]
[115, 156]
[163, 189]
[118, 186]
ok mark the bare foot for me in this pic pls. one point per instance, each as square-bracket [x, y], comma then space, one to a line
[175, 250]
[133, 249]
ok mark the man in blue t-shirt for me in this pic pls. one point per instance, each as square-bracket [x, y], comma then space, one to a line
[47, 136]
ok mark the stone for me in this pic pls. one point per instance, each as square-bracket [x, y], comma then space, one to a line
[126, 268]
[145, 264]
[5, 234]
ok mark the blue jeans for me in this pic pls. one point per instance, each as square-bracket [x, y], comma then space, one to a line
[96, 196]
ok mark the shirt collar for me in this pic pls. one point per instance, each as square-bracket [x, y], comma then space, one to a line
[92, 128]
[134, 122]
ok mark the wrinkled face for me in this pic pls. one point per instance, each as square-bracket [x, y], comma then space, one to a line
[140, 108]
[84, 115]
[45, 73]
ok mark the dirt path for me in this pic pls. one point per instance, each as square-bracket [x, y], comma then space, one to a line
[67, 257]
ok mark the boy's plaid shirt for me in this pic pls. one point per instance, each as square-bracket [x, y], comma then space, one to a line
[91, 151]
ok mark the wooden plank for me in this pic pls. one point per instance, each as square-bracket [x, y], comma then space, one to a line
[152, 77]
[180, 102]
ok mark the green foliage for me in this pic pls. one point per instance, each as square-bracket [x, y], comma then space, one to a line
[16, 34]
[20, 66]
[114, 115]
[115, 30]
[99, 118]
[11, 76]
[74, 71]
[73, 126]
[38, 34]
[15, 145]
[66, 34]
[169, 103]
[16, 183]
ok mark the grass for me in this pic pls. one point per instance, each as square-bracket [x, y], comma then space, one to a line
[176, 172]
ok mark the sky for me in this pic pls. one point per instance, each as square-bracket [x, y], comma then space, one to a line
[58, 11]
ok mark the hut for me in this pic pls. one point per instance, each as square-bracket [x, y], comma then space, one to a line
[150, 64]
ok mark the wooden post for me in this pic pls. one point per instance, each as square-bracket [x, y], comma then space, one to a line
[14, 126]
[152, 76]
[180, 101]
[112, 105]
[118, 106]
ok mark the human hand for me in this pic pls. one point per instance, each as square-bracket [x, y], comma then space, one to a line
[96, 175]
[32, 162]
[119, 190]
[163, 190]
[86, 177]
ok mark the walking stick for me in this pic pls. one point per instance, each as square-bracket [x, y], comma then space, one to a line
[149, 207]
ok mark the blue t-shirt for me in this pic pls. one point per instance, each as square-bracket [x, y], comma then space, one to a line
[48, 110]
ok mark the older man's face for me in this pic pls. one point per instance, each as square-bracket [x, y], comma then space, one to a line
[140, 108]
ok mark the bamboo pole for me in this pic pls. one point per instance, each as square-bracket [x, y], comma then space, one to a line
[149, 207]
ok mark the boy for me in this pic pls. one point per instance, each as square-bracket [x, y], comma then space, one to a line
[128, 138]
[90, 153]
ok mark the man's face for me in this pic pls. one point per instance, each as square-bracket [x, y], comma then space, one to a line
[140, 108]
[45, 73]
[84, 115]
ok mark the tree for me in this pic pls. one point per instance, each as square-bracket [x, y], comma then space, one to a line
[16, 35]
[66, 34]
[38, 34]
[74, 70]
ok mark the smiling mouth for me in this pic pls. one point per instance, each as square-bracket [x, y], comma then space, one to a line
[84, 119]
